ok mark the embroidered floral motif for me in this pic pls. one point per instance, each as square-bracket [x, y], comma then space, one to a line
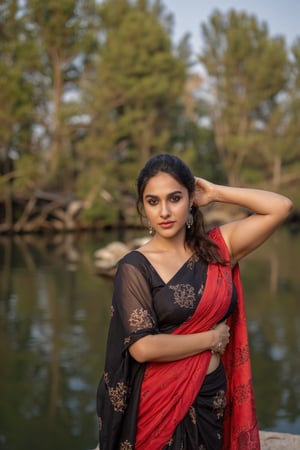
[243, 439]
[242, 355]
[247, 439]
[112, 310]
[192, 261]
[200, 290]
[242, 392]
[192, 414]
[219, 403]
[118, 394]
[127, 340]
[126, 445]
[184, 295]
[140, 319]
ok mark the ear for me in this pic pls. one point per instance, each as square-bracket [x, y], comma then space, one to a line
[192, 198]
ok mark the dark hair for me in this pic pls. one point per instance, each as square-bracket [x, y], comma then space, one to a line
[196, 236]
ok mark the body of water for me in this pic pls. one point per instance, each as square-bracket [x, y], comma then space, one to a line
[54, 315]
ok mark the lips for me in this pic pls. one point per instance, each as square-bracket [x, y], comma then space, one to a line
[167, 224]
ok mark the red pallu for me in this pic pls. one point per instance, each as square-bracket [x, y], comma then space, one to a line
[169, 389]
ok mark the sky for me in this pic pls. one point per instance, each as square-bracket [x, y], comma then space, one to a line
[282, 16]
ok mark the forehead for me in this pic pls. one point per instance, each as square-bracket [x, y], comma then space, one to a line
[163, 183]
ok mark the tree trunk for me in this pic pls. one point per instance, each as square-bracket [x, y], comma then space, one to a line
[56, 133]
[276, 172]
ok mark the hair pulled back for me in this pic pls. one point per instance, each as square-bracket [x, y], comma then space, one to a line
[196, 236]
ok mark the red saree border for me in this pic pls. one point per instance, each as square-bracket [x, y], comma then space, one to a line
[241, 431]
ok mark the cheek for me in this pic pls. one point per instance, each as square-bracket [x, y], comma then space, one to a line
[148, 210]
[181, 212]
[185, 214]
[184, 208]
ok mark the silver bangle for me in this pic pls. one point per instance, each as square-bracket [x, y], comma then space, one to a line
[217, 349]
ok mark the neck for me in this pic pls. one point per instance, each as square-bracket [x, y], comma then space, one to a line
[176, 243]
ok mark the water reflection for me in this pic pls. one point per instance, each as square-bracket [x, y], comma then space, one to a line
[54, 313]
[271, 282]
[53, 323]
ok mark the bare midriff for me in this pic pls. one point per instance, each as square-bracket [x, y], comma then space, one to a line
[214, 362]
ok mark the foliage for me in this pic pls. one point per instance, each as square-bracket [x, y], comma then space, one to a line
[17, 90]
[248, 72]
[17, 99]
[64, 31]
[90, 90]
[129, 98]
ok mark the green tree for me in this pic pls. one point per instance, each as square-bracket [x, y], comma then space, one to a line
[64, 33]
[17, 99]
[292, 131]
[248, 72]
[137, 82]
[280, 143]
[192, 137]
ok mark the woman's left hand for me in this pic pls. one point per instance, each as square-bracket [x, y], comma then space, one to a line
[203, 192]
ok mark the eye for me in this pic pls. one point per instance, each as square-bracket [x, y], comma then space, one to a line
[152, 201]
[175, 198]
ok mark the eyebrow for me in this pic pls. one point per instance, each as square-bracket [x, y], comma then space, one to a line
[169, 195]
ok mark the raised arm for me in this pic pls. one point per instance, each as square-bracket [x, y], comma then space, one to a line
[269, 210]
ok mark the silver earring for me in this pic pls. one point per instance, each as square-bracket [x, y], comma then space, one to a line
[190, 219]
[150, 228]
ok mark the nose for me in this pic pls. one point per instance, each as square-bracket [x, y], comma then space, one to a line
[164, 210]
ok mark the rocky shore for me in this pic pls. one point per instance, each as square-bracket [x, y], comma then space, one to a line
[276, 441]
[279, 441]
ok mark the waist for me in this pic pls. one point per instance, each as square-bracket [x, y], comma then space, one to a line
[213, 363]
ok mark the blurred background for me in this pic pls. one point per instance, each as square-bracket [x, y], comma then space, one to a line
[89, 90]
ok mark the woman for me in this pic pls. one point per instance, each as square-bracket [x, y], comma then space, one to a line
[177, 371]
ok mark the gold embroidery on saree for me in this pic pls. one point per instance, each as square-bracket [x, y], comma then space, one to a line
[184, 295]
[117, 395]
[192, 261]
[127, 340]
[192, 414]
[126, 445]
[140, 319]
[219, 403]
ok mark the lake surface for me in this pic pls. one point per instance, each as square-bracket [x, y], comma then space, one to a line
[54, 314]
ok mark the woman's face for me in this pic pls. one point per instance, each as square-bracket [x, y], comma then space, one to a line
[166, 204]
